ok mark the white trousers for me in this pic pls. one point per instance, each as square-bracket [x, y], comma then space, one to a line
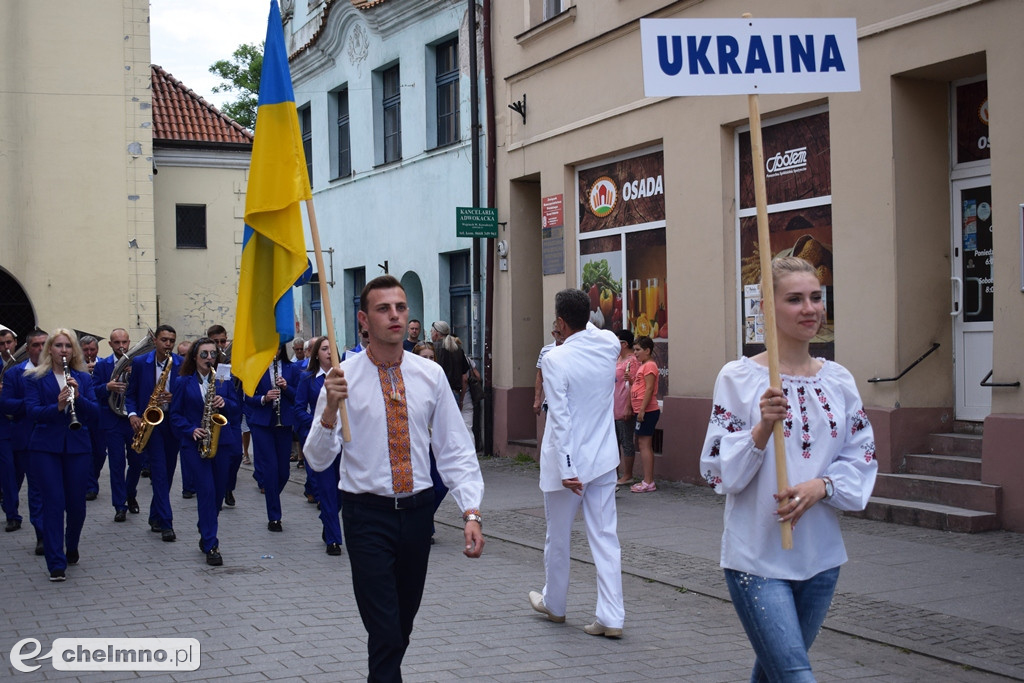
[598, 501]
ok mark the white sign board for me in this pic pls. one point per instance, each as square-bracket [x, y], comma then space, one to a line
[747, 56]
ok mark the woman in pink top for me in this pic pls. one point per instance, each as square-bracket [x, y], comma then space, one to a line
[643, 394]
[625, 420]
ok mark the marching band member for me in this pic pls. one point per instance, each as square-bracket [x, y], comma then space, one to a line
[325, 484]
[271, 426]
[191, 421]
[8, 343]
[117, 430]
[21, 429]
[231, 435]
[60, 401]
[90, 350]
[162, 448]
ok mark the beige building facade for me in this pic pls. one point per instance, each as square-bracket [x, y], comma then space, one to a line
[101, 157]
[905, 195]
[76, 188]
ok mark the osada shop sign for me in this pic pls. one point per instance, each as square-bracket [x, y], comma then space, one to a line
[620, 193]
[746, 56]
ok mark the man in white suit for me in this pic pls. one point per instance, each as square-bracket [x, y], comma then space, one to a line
[578, 460]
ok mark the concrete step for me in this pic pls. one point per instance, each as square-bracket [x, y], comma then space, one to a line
[972, 495]
[952, 466]
[955, 444]
[928, 515]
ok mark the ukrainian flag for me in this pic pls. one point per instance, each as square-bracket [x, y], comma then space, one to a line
[273, 249]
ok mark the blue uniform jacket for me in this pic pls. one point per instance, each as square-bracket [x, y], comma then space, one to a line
[12, 404]
[50, 433]
[263, 415]
[188, 403]
[143, 380]
[305, 403]
[101, 374]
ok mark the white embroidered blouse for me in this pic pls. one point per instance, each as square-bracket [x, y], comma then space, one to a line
[827, 433]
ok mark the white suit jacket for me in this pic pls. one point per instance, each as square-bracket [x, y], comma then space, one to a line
[579, 437]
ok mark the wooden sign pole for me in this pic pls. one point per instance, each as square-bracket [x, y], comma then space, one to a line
[771, 341]
[325, 302]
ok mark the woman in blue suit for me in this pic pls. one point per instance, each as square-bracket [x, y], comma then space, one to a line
[63, 409]
[325, 484]
[271, 426]
[187, 409]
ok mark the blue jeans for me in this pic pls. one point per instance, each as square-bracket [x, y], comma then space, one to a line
[782, 619]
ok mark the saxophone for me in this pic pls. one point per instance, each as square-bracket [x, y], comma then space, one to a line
[212, 423]
[153, 415]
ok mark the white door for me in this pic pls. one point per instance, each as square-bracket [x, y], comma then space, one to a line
[972, 283]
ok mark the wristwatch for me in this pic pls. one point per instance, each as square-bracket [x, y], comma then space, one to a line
[471, 517]
[830, 488]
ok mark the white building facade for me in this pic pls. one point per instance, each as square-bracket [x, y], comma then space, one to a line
[384, 106]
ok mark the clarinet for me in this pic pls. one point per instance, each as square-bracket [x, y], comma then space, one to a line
[277, 401]
[74, 424]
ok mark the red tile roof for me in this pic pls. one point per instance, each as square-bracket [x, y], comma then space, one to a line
[180, 114]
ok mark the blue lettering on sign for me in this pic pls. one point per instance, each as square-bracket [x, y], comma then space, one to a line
[801, 55]
[698, 54]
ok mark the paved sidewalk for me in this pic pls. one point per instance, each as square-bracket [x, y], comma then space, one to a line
[281, 609]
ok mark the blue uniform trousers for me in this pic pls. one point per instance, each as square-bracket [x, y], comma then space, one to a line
[325, 485]
[12, 481]
[272, 448]
[163, 459]
[63, 479]
[99, 457]
[211, 477]
[123, 485]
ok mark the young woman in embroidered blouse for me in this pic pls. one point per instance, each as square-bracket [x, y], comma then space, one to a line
[782, 596]
[643, 390]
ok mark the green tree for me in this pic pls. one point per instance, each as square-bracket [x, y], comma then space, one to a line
[241, 75]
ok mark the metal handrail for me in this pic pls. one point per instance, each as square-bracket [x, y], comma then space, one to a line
[910, 367]
[986, 383]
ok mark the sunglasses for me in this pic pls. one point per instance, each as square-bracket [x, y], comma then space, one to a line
[207, 354]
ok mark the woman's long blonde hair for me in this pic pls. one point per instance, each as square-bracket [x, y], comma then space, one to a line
[76, 362]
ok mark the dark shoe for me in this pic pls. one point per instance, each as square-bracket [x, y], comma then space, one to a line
[40, 550]
[300, 464]
[72, 556]
[91, 495]
[229, 499]
[187, 494]
[144, 473]
[334, 549]
[120, 516]
[133, 506]
[213, 558]
[155, 527]
[12, 525]
[168, 536]
[275, 525]
[310, 498]
[57, 575]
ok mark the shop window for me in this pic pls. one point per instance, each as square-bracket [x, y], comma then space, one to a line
[622, 248]
[190, 223]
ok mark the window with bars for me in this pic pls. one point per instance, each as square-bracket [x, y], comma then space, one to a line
[447, 80]
[306, 125]
[190, 222]
[392, 110]
[344, 136]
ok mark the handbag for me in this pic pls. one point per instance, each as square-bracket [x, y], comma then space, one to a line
[476, 389]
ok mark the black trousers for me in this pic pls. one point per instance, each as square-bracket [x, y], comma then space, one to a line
[388, 550]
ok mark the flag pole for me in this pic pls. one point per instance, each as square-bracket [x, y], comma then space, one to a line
[325, 303]
[771, 341]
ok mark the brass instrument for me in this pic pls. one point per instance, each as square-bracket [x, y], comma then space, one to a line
[153, 415]
[277, 401]
[123, 369]
[20, 354]
[74, 425]
[212, 423]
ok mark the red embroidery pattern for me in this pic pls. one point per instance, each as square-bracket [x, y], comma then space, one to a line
[399, 444]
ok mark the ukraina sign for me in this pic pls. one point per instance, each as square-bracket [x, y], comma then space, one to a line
[746, 56]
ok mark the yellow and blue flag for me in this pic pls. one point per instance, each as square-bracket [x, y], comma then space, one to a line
[273, 248]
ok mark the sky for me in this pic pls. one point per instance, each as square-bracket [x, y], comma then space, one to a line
[187, 36]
